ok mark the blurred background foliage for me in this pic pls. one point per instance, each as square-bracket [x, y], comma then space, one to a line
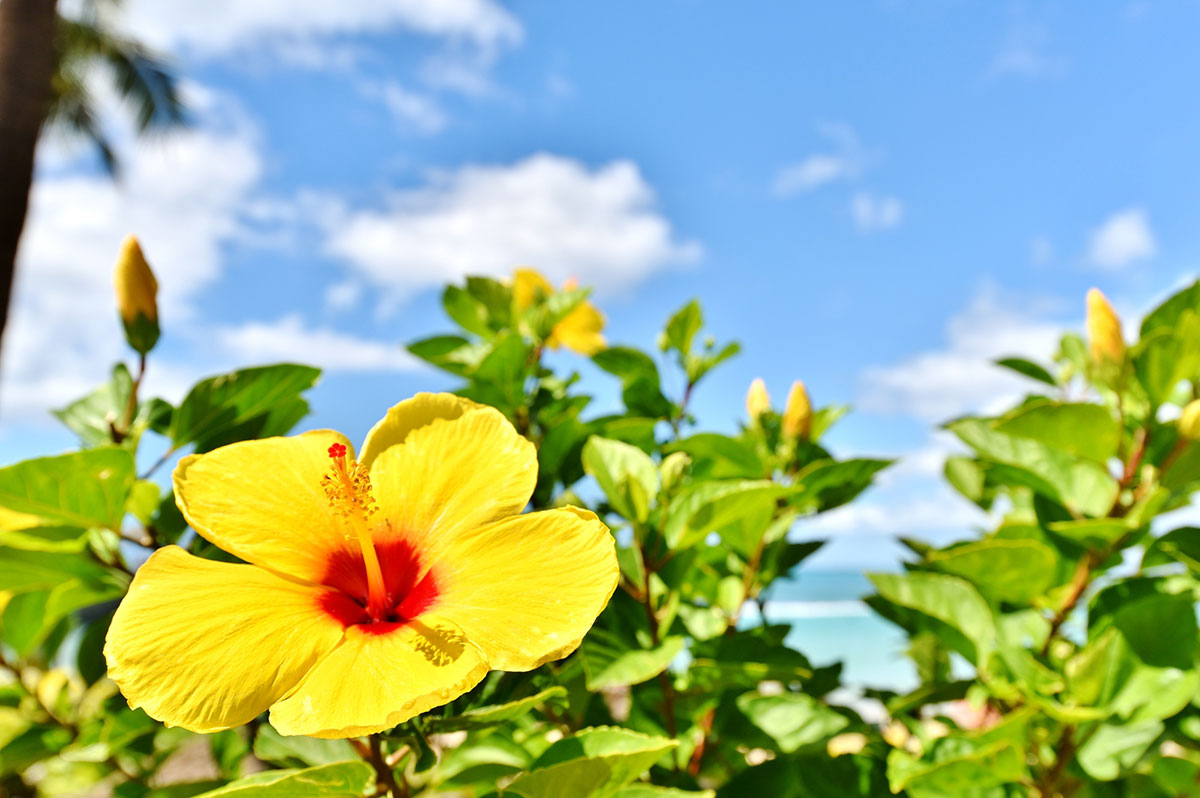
[1057, 652]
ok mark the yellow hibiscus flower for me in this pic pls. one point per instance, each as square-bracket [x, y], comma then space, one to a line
[373, 589]
[580, 330]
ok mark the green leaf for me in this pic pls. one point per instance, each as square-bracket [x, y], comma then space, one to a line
[22, 570]
[505, 364]
[1108, 675]
[707, 506]
[250, 403]
[1185, 469]
[641, 387]
[82, 489]
[959, 767]
[1027, 368]
[34, 744]
[486, 717]
[299, 752]
[717, 456]
[1004, 570]
[143, 500]
[1160, 628]
[1179, 545]
[480, 761]
[969, 478]
[608, 661]
[1112, 750]
[593, 762]
[1083, 430]
[698, 364]
[45, 538]
[949, 599]
[496, 297]
[654, 791]
[30, 617]
[1079, 484]
[826, 484]
[747, 657]
[543, 316]
[92, 417]
[1167, 314]
[1094, 533]
[339, 780]
[450, 352]
[627, 363]
[626, 474]
[1165, 357]
[682, 328]
[466, 310]
[824, 419]
[793, 720]
[89, 660]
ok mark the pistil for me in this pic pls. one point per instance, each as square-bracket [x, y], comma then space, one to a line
[348, 487]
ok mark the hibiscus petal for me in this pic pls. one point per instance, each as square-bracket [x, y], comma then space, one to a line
[528, 286]
[210, 645]
[263, 501]
[527, 589]
[580, 330]
[374, 680]
[419, 411]
[450, 475]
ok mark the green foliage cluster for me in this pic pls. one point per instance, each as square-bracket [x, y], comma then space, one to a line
[1057, 653]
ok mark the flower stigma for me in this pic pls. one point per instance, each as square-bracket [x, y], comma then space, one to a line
[348, 488]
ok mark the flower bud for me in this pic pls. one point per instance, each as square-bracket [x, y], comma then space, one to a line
[1189, 421]
[1104, 329]
[797, 416]
[848, 743]
[758, 401]
[137, 293]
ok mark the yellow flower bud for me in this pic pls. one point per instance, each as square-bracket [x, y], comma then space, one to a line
[137, 290]
[1189, 421]
[1104, 329]
[848, 743]
[797, 416]
[758, 401]
[896, 734]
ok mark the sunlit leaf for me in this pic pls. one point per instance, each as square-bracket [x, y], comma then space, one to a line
[83, 489]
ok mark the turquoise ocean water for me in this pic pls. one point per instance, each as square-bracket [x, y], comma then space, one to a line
[831, 623]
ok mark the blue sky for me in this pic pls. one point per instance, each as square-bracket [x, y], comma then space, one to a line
[875, 197]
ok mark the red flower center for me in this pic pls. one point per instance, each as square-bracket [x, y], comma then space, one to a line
[407, 596]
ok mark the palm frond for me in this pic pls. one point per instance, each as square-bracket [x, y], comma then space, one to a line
[140, 77]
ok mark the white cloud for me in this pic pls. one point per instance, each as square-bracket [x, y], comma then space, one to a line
[289, 339]
[872, 212]
[412, 110]
[1025, 52]
[600, 225]
[847, 160]
[960, 378]
[180, 194]
[218, 27]
[462, 71]
[1124, 238]
[813, 171]
[344, 295]
[910, 518]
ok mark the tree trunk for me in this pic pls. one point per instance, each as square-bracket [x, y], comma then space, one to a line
[26, 68]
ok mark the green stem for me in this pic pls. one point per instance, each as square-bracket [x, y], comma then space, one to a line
[121, 431]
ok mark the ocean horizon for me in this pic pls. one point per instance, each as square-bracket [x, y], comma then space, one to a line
[831, 623]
